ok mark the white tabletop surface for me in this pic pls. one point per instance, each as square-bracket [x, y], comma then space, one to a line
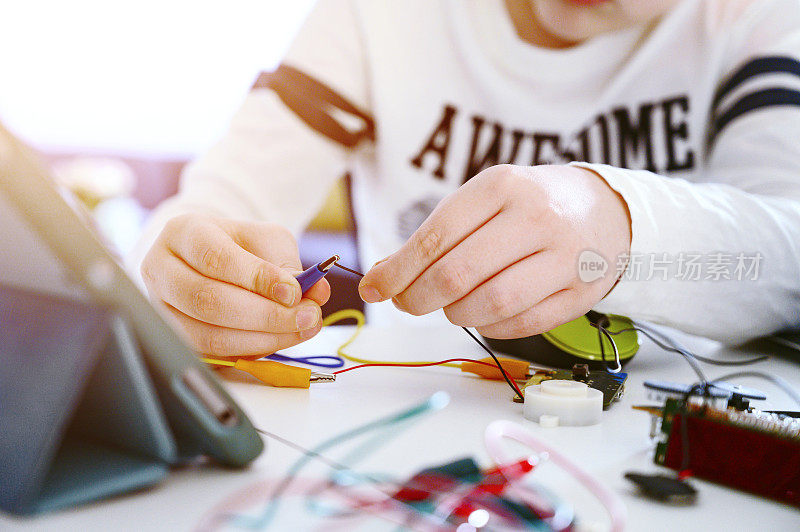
[620, 443]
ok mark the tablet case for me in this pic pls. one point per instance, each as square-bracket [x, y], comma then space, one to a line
[80, 415]
[98, 395]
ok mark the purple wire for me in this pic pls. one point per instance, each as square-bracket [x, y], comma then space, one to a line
[337, 362]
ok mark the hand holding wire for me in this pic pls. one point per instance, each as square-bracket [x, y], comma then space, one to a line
[229, 287]
[276, 374]
[544, 216]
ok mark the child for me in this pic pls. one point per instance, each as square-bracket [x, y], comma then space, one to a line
[640, 157]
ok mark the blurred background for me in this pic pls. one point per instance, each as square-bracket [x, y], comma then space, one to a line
[154, 78]
[119, 96]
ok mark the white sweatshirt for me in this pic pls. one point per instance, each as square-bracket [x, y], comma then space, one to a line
[695, 121]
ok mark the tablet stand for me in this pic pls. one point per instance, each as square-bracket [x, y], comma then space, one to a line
[79, 416]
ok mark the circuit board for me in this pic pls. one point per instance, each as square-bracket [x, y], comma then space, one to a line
[752, 451]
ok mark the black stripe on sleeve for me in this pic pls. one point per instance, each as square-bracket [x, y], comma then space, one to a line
[756, 67]
[755, 100]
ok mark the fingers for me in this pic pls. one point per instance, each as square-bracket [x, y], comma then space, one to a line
[223, 341]
[522, 285]
[277, 245]
[453, 220]
[229, 286]
[320, 293]
[270, 242]
[551, 312]
[209, 250]
[472, 262]
[226, 305]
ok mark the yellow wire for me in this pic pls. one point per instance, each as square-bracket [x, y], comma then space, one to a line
[346, 314]
[357, 315]
[218, 362]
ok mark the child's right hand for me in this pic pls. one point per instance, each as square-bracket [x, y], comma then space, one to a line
[229, 286]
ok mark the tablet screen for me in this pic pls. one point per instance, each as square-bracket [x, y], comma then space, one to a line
[27, 262]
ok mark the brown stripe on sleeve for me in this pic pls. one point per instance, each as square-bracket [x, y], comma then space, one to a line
[314, 103]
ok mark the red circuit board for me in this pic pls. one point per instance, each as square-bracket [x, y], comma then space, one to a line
[755, 452]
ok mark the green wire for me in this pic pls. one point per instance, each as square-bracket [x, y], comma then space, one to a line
[435, 402]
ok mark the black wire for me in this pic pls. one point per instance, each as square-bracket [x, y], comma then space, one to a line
[690, 357]
[499, 365]
[602, 349]
[685, 456]
[605, 332]
[345, 268]
[602, 331]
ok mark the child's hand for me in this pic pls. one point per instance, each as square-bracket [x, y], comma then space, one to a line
[229, 286]
[501, 253]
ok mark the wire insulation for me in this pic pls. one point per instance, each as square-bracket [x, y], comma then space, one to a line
[317, 360]
[499, 430]
[436, 402]
[218, 362]
[499, 366]
[420, 365]
[359, 317]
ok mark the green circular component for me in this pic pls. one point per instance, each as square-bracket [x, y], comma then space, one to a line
[575, 342]
[579, 338]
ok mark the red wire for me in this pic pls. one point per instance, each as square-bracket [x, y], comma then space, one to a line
[388, 364]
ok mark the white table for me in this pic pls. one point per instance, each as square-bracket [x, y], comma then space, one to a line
[619, 444]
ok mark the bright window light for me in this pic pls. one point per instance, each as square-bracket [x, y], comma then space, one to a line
[146, 77]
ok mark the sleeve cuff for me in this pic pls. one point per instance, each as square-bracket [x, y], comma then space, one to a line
[635, 188]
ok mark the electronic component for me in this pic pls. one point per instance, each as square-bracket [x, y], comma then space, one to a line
[720, 393]
[662, 390]
[574, 403]
[737, 389]
[753, 451]
[576, 342]
[612, 385]
[580, 372]
[717, 389]
[664, 488]
[786, 413]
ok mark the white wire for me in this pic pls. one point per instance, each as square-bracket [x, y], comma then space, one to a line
[614, 347]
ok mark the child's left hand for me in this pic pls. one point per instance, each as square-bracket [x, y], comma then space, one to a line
[501, 253]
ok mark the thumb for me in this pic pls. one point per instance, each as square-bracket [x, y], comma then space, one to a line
[277, 245]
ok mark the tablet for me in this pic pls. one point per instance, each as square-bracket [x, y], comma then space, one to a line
[49, 246]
